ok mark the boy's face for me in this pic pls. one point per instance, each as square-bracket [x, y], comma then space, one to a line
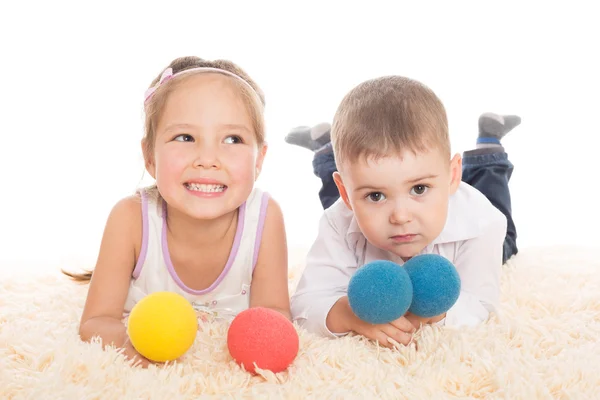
[400, 201]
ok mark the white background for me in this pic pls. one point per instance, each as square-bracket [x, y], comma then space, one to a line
[73, 76]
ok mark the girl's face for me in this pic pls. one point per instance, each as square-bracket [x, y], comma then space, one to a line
[206, 156]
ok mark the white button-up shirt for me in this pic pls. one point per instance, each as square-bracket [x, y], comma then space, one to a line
[472, 240]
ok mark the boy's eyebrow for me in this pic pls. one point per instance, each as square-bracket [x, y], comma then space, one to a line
[421, 178]
[370, 187]
[411, 181]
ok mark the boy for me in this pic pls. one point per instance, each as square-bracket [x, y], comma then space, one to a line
[402, 194]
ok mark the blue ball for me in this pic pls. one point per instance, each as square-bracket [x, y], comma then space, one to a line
[436, 284]
[380, 292]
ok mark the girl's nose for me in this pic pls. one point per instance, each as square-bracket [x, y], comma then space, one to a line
[207, 158]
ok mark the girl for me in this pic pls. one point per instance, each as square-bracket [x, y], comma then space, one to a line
[202, 230]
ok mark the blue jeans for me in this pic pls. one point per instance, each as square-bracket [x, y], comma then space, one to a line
[487, 170]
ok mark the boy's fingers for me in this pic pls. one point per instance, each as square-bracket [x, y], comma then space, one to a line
[382, 338]
[403, 324]
[397, 334]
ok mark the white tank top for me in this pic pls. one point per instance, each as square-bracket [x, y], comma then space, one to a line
[229, 294]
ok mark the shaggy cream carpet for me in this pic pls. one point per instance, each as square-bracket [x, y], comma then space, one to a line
[543, 345]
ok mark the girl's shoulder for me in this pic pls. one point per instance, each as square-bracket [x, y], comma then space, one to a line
[126, 215]
[271, 213]
[126, 221]
[129, 206]
[262, 197]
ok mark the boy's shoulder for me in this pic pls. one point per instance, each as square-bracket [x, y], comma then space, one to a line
[470, 214]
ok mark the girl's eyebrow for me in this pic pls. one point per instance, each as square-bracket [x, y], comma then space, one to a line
[239, 127]
[236, 126]
[174, 126]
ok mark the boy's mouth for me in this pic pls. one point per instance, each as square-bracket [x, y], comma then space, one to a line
[404, 238]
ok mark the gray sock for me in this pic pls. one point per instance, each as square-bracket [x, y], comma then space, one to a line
[321, 133]
[327, 148]
[300, 136]
[493, 127]
[311, 138]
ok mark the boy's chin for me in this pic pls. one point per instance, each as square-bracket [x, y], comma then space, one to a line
[409, 251]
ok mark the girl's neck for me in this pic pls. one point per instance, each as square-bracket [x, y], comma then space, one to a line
[199, 232]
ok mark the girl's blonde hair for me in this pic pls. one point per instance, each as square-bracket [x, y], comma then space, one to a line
[251, 94]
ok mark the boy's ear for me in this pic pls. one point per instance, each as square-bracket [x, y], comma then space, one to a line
[337, 178]
[148, 160]
[455, 173]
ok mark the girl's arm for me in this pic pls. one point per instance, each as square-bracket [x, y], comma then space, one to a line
[270, 279]
[109, 285]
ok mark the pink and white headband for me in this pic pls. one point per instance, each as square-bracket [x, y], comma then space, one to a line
[168, 74]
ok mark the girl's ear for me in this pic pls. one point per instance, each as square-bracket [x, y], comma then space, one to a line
[260, 158]
[148, 159]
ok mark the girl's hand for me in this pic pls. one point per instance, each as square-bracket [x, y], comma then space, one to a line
[132, 354]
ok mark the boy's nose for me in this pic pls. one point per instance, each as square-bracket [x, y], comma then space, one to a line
[400, 215]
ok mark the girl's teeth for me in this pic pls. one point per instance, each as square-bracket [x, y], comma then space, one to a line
[205, 188]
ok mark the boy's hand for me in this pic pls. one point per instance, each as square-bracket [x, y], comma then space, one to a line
[341, 319]
[400, 331]
[418, 321]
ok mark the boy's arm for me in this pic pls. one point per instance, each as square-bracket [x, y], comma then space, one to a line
[479, 264]
[329, 266]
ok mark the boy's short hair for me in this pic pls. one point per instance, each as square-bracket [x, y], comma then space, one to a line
[388, 115]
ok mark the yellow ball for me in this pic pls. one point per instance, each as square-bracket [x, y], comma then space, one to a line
[162, 326]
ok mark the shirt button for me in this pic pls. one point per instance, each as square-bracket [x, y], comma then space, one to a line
[214, 303]
[243, 292]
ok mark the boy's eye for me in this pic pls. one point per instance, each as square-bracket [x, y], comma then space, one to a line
[233, 139]
[183, 138]
[376, 197]
[419, 190]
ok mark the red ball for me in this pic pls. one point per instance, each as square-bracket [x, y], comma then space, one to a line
[262, 336]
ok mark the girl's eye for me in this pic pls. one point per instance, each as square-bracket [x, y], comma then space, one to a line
[183, 138]
[233, 139]
[419, 190]
[376, 197]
